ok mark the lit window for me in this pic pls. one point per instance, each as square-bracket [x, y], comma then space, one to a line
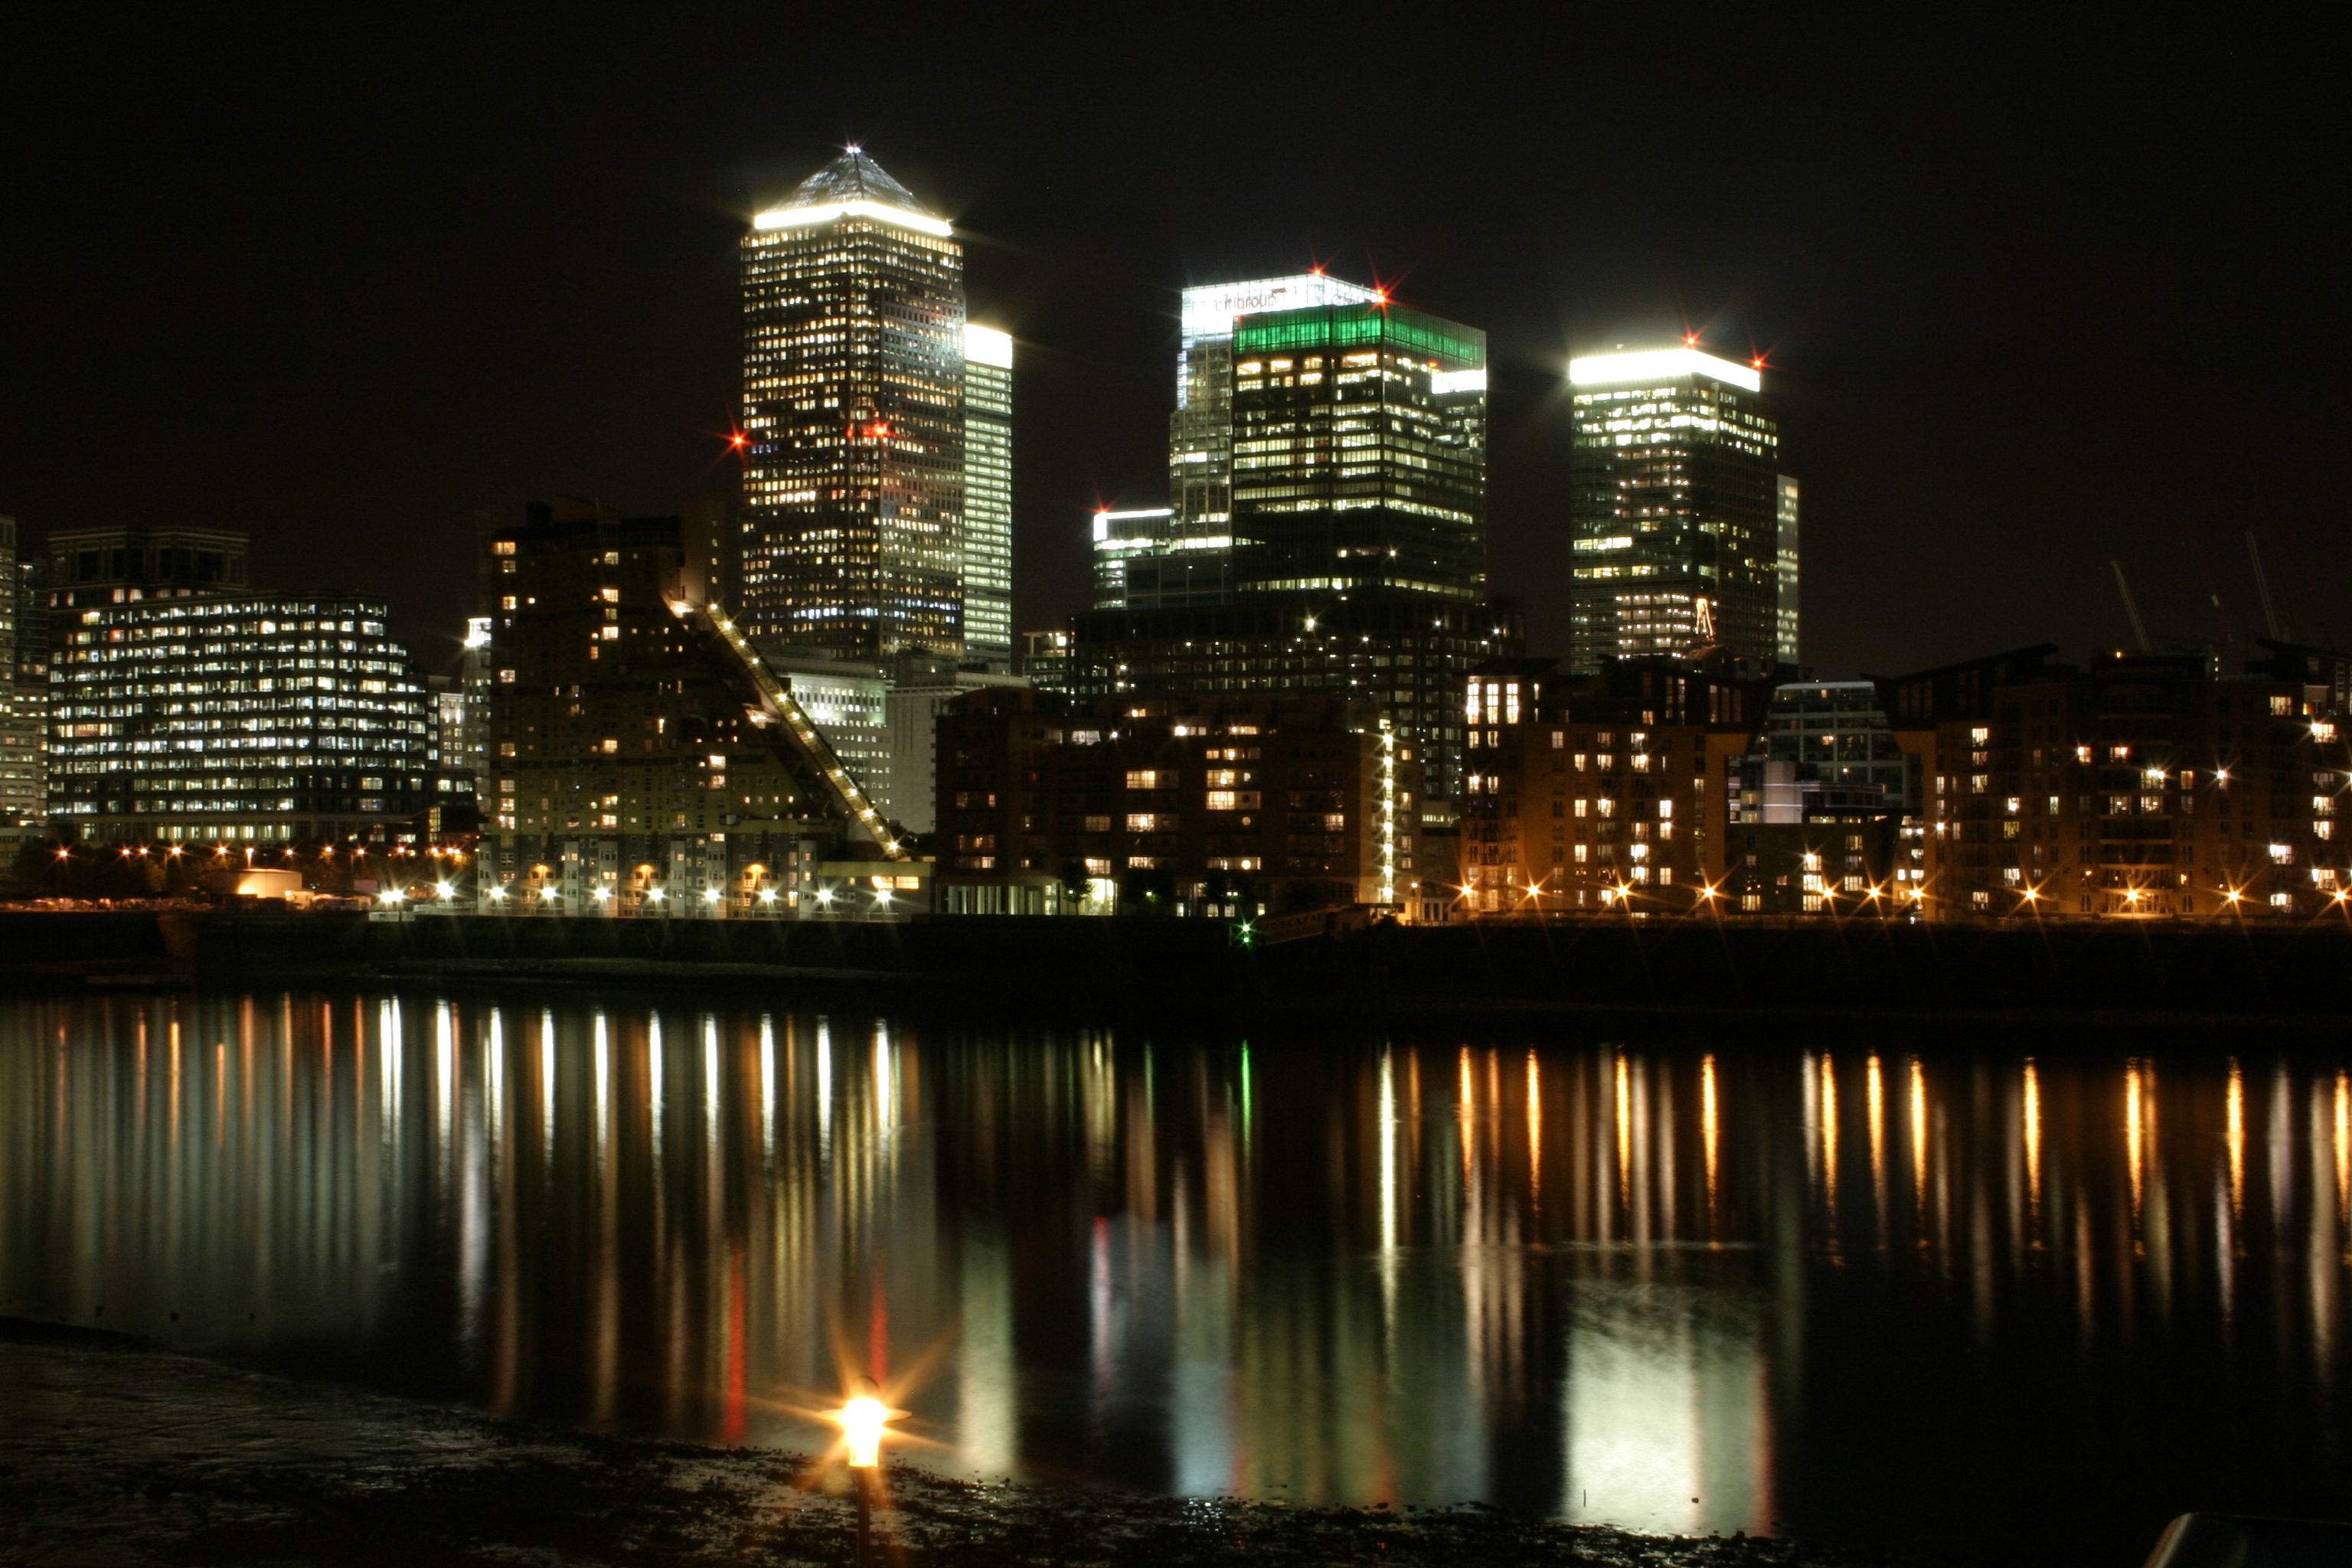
[1143, 779]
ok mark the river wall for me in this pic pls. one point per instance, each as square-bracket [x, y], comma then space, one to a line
[1045, 964]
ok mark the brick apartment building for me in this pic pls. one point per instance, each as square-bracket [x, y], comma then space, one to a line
[1217, 805]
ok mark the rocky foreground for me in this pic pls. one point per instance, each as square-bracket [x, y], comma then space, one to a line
[110, 1453]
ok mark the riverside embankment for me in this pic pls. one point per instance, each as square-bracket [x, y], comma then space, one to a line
[2114, 971]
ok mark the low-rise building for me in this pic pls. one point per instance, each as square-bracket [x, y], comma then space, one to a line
[249, 717]
[1604, 792]
[2147, 788]
[1216, 805]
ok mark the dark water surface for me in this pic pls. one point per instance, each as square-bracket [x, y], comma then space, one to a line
[1880, 1286]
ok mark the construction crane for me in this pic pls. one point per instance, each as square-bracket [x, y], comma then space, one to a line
[2138, 626]
[2263, 586]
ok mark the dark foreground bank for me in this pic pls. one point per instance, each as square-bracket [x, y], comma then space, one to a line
[2118, 971]
[113, 1453]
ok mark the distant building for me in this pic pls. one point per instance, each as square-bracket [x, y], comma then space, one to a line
[1674, 516]
[91, 566]
[234, 717]
[1359, 454]
[987, 550]
[906, 788]
[1046, 659]
[1196, 539]
[24, 676]
[645, 760]
[849, 700]
[1804, 847]
[2142, 788]
[1143, 562]
[1407, 654]
[1220, 806]
[1785, 545]
[855, 419]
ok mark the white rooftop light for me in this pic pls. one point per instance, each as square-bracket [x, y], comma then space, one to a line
[797, 217]
[1607, 370]
[988, 346]
[1210, 310]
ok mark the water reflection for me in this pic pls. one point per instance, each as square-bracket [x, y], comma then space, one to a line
[1741, 1288]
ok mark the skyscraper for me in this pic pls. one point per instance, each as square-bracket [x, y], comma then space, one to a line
[854, 362]
[1350, 470]
[1674, 516]
[1190, 560]
[1358, 453]
[988, 496]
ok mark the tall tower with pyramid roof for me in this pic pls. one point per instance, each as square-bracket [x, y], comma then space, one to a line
[853, 413]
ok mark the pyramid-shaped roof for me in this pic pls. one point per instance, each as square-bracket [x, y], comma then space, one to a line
[853, 177]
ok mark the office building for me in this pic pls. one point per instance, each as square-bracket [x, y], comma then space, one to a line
[1352, 480]
[1199, 531]
[126, 565]
[1785, 545]
[233, 717]
[1674, 514]
[854, 419]
[906, 788]
[1144, 560]
[645, 759]
[1210, 805]
[2142, 788]
[988, 498]
[24, 673]
[1360, 453]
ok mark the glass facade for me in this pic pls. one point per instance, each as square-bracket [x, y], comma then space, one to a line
[248, 717]
[988, 496]
[1675, 508]
[1837, 735]
[854, 417]
[1191, 562]
[1360, 453]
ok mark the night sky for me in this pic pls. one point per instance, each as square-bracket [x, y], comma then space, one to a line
[2038, 293]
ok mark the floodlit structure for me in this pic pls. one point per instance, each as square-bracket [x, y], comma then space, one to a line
[988, 496]
[854, 427]
[1675, 507]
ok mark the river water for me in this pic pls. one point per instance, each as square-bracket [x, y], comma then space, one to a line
[1891, 1286]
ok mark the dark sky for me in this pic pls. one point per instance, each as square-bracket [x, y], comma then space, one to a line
[2039, 293]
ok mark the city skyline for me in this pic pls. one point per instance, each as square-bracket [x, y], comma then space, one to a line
[505, 357]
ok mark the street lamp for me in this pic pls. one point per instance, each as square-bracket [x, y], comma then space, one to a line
[864, 1421]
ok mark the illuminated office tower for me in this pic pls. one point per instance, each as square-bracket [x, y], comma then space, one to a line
[1785, 543]
[988, 498]
[24, 661]
[1675, 510]
[1142, 562]
[854, 359]
[1188, 560]
[1358, 453]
